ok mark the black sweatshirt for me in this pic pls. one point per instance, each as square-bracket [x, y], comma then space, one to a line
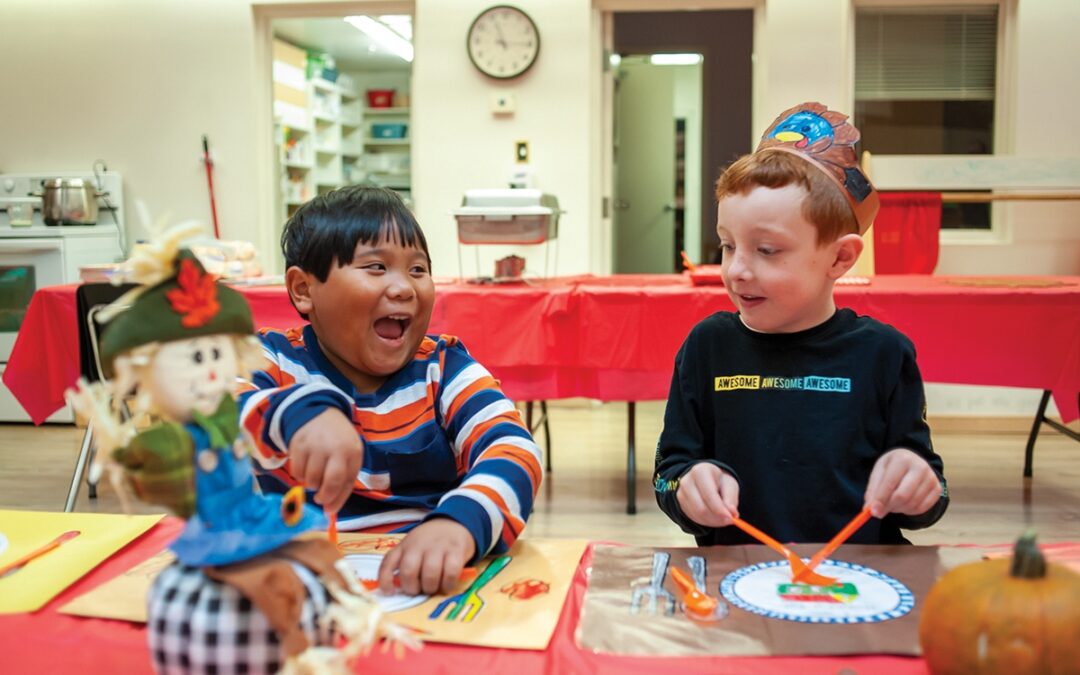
[799, 419]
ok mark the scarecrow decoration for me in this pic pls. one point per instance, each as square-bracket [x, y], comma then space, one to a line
[249, 590]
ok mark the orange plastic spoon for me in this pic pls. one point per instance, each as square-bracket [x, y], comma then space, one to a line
[687, 263]
[834, 543]
[799, 572]
[698, 605]
[17, 565]
[468, 574]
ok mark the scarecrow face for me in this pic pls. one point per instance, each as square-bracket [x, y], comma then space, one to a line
[192, 374]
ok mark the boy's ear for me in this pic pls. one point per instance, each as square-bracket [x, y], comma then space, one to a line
[847, 249]
[298, 283]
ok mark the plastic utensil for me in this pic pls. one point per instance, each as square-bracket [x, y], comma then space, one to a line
[470, 600]
[798, 567]
[331, 529]
[834, 543]
[696, 604]
[17, 565]
[468, 574]
[687, 263]
[652, 587]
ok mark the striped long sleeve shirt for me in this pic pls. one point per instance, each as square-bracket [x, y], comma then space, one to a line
[440, 438]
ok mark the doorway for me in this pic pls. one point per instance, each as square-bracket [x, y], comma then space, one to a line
[712, 54]
[340, 100]
[657, 160]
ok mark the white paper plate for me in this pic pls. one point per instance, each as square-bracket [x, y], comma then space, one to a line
[366, 566]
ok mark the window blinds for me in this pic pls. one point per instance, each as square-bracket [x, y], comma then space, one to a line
[925, 53]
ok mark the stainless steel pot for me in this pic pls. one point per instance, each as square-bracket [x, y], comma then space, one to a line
[69, 201]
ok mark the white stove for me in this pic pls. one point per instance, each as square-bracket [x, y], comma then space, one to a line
[40, 255]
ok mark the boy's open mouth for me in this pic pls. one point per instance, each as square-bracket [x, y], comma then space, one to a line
[392, 327]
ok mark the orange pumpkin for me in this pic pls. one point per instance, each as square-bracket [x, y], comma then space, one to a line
[1003, 617]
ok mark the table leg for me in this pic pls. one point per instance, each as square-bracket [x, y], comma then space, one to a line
[1041, 419]
[631, 467]
[80, 467]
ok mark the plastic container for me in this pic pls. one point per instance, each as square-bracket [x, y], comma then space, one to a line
[380, 98]
[21, 210]
[388, 130]
[524, 229]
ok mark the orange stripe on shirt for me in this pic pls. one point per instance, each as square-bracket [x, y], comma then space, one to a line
[515, 524]
[481, 383]
[519, 456]
[511, 416]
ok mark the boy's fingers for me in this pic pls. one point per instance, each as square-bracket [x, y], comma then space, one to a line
[690, 501]
[714, 502]
[297, 462]
[409, 570]
[387, 569]
[431, 571]
[313, 473]
[729, 492]
[332, 492]
[452, 566]
[881, 499]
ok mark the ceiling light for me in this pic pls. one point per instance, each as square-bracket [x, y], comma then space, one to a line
[675, 59]
[383, 35]
[399, 23]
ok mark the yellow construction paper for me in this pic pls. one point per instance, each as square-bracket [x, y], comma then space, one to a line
[511, 614]
[124, 596]
[100, 535]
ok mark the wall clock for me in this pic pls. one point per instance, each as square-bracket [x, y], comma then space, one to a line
[503, 42]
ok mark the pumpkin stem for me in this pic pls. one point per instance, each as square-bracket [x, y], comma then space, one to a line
[1027, 561]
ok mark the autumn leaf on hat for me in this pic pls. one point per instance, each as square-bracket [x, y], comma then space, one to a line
[196, 296]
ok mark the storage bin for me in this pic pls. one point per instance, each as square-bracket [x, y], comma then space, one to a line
[380, 98]
[21, 210]
[530, 229]
[388, 130]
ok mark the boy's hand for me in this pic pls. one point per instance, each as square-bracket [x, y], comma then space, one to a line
[708, 495]
[429, 559]
[326, 454]
[902, 482]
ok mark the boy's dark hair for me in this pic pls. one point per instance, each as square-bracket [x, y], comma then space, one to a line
[328, 228]
[824, 206]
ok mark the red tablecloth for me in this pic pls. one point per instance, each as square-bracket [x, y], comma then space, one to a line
[614, 338]
[49, 642]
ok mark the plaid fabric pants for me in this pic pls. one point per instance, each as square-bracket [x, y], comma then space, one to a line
[198, 625]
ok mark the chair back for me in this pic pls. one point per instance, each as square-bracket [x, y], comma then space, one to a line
[90, 299]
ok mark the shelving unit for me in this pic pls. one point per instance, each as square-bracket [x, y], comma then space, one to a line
[386, 161]
[324, 135]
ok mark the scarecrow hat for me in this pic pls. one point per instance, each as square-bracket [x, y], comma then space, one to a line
[826, 140]
[188, 303]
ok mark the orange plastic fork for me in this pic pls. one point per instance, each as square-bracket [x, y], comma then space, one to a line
[799, 571]
[834, 543]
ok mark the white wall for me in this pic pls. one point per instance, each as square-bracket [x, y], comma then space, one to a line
[136, 84]
[459, 144]
[1043, 90]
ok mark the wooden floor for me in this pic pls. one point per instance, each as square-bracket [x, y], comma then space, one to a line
[585, 495]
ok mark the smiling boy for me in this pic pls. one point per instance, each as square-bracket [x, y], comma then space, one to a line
[789, 412]
[394, 430]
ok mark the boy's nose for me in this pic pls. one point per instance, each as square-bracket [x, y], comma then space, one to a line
[400, 288]
[737, 267]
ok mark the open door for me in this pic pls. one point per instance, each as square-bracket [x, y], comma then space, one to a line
[644, 203]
